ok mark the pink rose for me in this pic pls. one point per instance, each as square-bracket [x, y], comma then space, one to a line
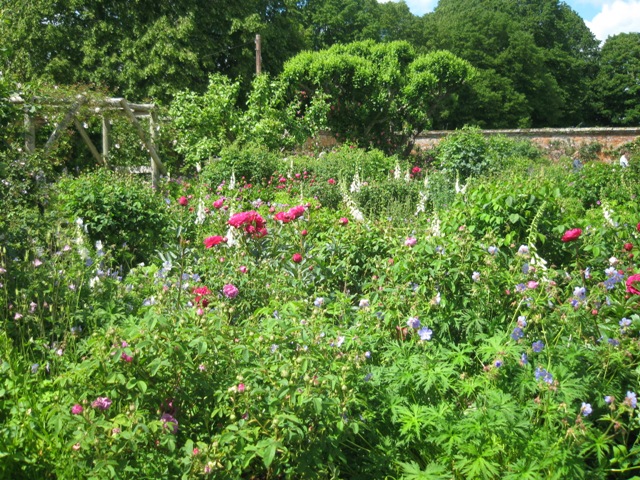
[297, 258]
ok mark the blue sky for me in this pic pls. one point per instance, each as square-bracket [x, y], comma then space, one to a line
[603, 17]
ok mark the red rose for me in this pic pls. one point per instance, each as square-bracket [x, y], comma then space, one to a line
[416, 170]
[212, 241]
[628, 247]
[183, 201]
[571, 235]
[633, 279]
[297, 258]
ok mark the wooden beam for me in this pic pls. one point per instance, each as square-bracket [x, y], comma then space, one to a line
[107, 103]
[155, 173]
[87, 140]
[63, 125]
[106, 130]
[150, 148]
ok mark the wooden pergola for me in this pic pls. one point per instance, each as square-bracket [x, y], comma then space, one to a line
[132, 111]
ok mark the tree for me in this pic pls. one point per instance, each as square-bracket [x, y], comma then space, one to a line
[380, 95]
[540, 51]
[617, 86]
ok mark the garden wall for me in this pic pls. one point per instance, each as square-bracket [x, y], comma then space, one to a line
[553, 138]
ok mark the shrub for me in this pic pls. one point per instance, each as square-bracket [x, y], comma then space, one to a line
[119, 210]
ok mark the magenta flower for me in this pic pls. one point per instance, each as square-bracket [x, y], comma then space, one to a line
[241, 387]
[230, 291]
[169, 423]
[77, 409]
[101, 403]
[410, 241]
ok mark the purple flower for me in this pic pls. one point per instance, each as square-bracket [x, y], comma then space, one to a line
[492, 250]
[625, 322]
[522, 321]
[631, 400]
[542, 374]
[497, 363]
[613, 341]
[586, 409]
[169, 423]
[537, 346]
[524, 360]
[230, 291]
[413, 322]
[521, 287]
[318, 302]
[517, 333]
[608, 399]
[101, 403]
[425, 334]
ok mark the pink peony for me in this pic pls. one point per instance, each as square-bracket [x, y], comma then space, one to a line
[183, 201]
[331, 181]
[631, 288]
[241, 387]
[101, 403]
[343, 221]
[243, 269]
[218, 203]
[77, 409]
[410, 241]
[571, 235]
[628, 247]
[126, 358]
[230, 291]
[210, 242]
[297, 258]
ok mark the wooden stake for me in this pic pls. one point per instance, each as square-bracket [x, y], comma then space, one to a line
[106, 129]
[150, 148]
[29, 133]
[258, 55]
[87, 140]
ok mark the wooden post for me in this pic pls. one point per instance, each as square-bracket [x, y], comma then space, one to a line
[151, 149]
[155, 173]
[106, 129]
[258, 55]
[87, 140]
[63, 124]
[29, 133]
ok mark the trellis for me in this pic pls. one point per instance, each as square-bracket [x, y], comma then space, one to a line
[132, 111]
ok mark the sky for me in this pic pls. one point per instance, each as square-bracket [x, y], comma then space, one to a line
[603, 17]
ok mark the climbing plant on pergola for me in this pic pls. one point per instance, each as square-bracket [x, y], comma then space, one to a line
[71, 107]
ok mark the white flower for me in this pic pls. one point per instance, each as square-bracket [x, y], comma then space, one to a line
[200, 215]
[613, 261]
[476, 276]
[356, 184]
[523, 250]
[232, 181]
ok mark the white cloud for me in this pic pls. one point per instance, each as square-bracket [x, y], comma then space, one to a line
[619, 16]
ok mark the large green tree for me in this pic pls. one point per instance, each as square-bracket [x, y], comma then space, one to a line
[617, 86]
[539, 55]
[146, 48]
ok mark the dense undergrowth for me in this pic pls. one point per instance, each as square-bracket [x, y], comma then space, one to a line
[344, 316]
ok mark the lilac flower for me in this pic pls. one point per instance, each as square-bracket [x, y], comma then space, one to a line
[523, 250]
[37, 262]
[532, 285]
[521, 287]
[101, 403]
[522, 321]
[367, 354]
[492, 250]
[476, 276]
[425, 334]
[537, 346]
[410, 241]
[35, 367]
[608, 399]
[368, 377]
[340, 341]
[274, 347]
[525, 269]
[364, 303]
[625, 322]
[586, 409]
[613, 341]
[318, 302]
[413, 322]
[631, 400]
[497, 363]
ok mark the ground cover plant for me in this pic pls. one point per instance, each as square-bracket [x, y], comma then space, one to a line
[344, 315]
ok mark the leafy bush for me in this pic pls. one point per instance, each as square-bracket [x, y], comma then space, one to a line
[119, 210]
